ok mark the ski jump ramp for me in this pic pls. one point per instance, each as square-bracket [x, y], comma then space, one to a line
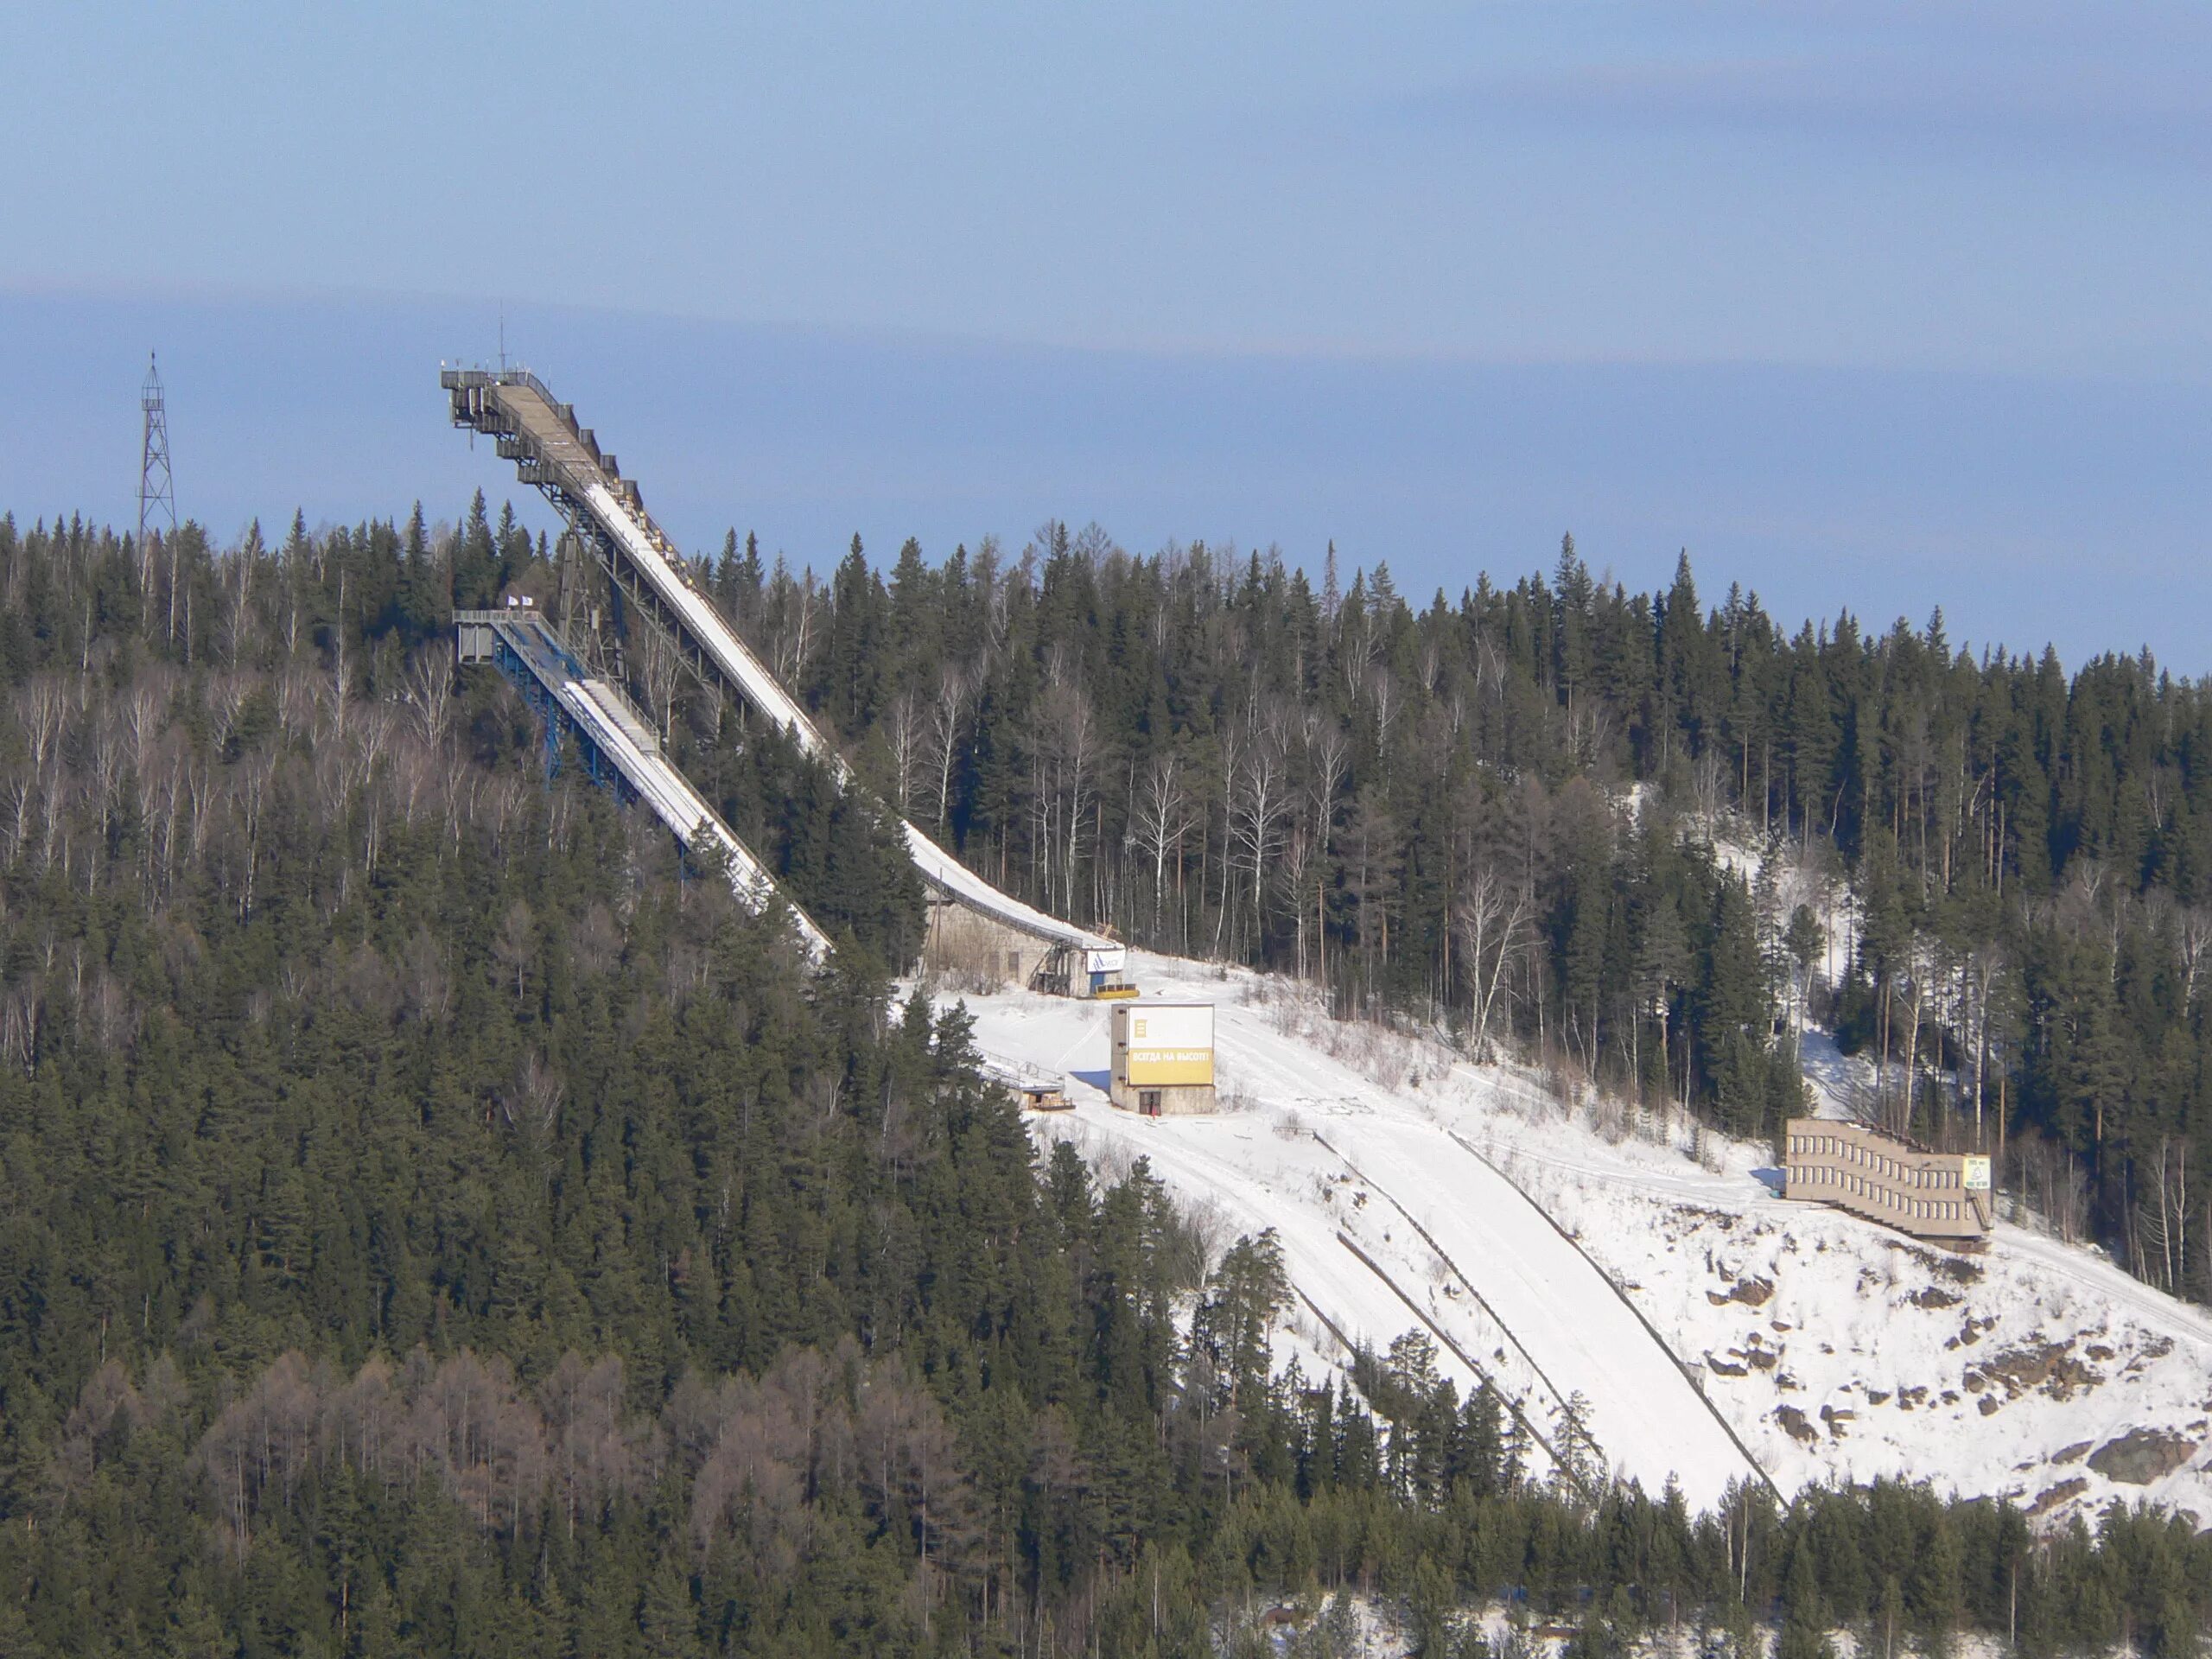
[614, 738]
[565, 463]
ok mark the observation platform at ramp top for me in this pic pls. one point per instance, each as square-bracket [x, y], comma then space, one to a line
[534, 431]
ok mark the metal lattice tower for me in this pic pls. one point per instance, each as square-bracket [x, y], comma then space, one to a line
[157, 485]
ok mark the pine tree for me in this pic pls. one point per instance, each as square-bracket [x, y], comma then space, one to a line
[1804, 1633]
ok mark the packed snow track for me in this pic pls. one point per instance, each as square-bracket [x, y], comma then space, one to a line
[1324, 1157]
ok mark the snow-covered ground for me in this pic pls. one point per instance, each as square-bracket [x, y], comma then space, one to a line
[1588, 1250]
[1844, 1086]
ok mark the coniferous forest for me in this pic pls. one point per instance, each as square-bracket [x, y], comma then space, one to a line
[438, 1222]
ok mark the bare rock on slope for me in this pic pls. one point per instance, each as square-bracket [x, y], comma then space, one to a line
[2052, 1497]
[2142, 1456]
[1751, 1292]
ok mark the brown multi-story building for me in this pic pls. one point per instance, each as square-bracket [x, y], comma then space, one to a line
[1937, 1195]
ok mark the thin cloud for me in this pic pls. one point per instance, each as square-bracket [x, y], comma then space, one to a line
[2038, 94]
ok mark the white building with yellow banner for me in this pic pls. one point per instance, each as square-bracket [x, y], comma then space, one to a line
[1163, 1058]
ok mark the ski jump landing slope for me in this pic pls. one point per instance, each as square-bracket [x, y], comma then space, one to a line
[1443, 1240]
[565, 462]
[1647, 1417]
[1834, 1350]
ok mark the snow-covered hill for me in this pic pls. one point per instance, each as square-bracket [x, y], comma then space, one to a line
[1715, 1331]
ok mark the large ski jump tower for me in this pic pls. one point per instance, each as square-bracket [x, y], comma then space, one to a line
[971, 922]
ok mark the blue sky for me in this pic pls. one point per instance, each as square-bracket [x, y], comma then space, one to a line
[1876, 307]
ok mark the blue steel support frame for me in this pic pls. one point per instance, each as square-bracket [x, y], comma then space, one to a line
[556, 720]
[517, 644]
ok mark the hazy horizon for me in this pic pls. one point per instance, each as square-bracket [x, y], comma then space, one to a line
[1882, 492]
[1876, 310]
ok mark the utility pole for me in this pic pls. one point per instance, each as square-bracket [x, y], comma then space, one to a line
[156, 486]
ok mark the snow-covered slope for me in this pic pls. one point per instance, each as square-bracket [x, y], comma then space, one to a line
[1706, 1324]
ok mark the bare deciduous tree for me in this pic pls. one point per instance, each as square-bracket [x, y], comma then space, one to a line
[662, 669]
[533, 1103]
[906, 732]
[1490, 917]
[2192, 934]
[515, 946]
[427, 691]
[1065, 756]
[947, 710]
[1163, 818]
[1259, 788]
